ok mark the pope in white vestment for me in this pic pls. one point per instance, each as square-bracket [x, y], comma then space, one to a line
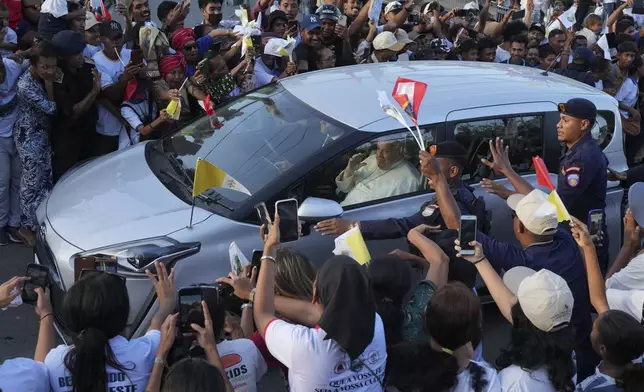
[383, 174]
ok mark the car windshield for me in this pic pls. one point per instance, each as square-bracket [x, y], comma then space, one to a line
[253, 140]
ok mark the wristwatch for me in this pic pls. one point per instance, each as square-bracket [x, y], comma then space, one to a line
[159, 361]
[251, 297]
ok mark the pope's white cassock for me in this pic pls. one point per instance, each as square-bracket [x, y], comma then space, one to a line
[370, 182]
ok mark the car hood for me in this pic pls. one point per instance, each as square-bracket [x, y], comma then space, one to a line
[113, 199]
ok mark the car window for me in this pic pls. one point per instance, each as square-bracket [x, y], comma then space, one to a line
[254, 140]
[523, 135]
[604, 128]
[383, 168]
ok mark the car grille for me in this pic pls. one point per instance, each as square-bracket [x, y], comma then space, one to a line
[57, 289]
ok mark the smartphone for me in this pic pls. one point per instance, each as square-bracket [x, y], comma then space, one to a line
[256, 41]
[293, 25]
[518, 15]
[595, 222]
[467, 234]
[413, 19]
[204, 66]
[136, 57]
[256, 261]
[343, 20]
[264, 217]
[460, 13]
[190, 310]
[289, 225]
[39, 275]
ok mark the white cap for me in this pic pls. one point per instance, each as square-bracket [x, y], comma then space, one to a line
[387, 40]
[635, 197]
[536, 213]
[401, 36]
[472, 5]
[90, 20]
[544, 297]
[392, 6]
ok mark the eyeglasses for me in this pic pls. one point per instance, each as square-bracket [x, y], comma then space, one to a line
[190, 47]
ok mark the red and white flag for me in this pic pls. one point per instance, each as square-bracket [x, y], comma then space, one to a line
[409, 94]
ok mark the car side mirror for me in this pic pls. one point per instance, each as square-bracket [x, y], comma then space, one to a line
[315, 209]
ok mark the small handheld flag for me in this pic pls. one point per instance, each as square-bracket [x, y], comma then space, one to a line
[409, 94]
[388, 107]
[206, 105]
[543, 179]
[352, 244]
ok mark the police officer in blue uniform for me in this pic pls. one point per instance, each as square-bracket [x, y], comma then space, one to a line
[582, 168]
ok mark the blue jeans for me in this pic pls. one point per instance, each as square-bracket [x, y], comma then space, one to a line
[10, 172]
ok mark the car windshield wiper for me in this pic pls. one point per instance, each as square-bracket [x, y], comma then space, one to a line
[205, 198]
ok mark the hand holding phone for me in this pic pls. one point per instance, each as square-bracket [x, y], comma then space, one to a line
[596, 225]
[289, 223]
[190, 310]
[38, 278]
[467, 234]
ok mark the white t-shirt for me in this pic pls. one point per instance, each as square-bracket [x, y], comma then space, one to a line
[627, 95]
[629, 301]
[23, 375]
[501, 55]
[630, 277]
[91, 50]
[9, 38]
[515, 379]
[8, 91]
[316, 364]
[243, 362]
[464, 380]
[136, 354]
[111, 71]
[134, 114]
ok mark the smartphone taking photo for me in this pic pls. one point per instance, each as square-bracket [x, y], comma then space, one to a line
[467, 234]
[190, 309]
[289, 224]
[264, 217]
[39, 277]
[595, 222]
[256, 261]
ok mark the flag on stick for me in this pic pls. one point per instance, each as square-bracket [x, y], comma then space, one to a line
[409, 94]
[388, 107]
[209, 176]
[543, 179]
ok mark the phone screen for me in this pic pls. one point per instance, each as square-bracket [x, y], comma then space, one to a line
[256, 261]
[190, 311]
[39, 275]
[287, 210]
[467, 234]
[595, 222]
[137, 56]
[292, 25]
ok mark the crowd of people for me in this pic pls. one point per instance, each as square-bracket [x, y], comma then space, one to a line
[77, 84]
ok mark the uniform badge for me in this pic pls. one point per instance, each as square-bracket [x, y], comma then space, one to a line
[429, 211]
[572, 179]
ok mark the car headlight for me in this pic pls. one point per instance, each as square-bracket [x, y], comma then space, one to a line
[139, 255]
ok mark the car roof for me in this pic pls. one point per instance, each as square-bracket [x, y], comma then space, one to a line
[349, 94]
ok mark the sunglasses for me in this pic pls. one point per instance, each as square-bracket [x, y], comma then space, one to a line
[190, 47]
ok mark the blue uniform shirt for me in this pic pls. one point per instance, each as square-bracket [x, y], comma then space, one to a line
[561, 256]
[429, 214]
[582, 178]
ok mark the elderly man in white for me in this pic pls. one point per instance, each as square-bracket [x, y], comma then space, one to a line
[380, 175]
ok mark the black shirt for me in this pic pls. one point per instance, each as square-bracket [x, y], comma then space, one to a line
[73, 89]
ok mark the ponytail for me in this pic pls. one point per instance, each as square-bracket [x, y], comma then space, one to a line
[86, 361]
[632, 379]
[392, 317]
[417, 367]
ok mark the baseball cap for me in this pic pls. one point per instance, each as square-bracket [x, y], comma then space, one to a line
[111, 29]
[311, 22]
[387, 40]
[328, 11]
[401, 36]
[583, 55]
[438, 46]
[635, 197]
[579, 108]
[544, 297]
[393, 6]
[538, 27]
[90, 20]
[536, 213]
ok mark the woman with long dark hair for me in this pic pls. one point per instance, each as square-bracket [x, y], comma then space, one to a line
[619, 339]
[95, 311]
[453, 318]
[346, 348]
[540, 354]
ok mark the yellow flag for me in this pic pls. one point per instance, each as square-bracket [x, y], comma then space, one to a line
[352, 244]
[562, 212]
[209, 176]
[174, 109]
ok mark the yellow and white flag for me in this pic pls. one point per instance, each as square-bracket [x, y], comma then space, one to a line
[280, 47]
[352, 244]
[174, 109]
[562, 213]
[209, 176]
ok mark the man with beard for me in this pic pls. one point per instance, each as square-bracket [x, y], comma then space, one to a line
[74, 125]
[304, 53]
[329, 16]
[211, 12]
[183, 41]
[536, 34]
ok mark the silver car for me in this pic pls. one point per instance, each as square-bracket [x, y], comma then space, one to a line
[292, 140]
